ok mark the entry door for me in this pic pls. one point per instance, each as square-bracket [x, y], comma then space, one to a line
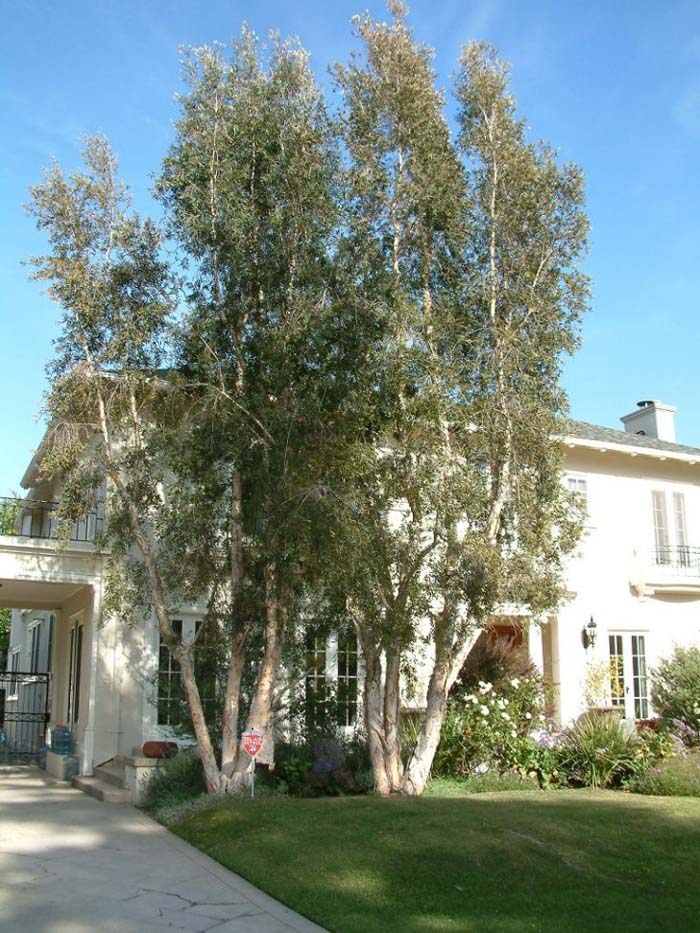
[75, 663]
[629, 684]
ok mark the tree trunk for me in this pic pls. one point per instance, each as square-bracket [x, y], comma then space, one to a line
[231, 711]
[260, 716]
[392, 714]
[374, 713]
[448, 663]
[212, 774]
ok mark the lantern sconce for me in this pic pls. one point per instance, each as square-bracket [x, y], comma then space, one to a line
[588, 634]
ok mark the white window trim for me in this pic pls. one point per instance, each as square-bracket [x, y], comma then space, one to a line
[14, 653]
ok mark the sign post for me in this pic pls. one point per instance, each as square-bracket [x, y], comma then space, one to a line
[252, 742]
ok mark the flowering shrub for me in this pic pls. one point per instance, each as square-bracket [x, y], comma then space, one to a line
[675, 693]
[677, 776]
[488, 729]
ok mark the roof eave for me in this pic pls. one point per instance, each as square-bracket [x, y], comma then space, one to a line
[631, 450]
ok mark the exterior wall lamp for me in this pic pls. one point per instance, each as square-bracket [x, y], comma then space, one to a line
[589, 633]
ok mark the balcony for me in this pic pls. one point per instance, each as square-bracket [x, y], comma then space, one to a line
[672, 569]
[37, 519]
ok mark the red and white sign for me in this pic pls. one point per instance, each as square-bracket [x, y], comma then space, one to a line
[252, 742]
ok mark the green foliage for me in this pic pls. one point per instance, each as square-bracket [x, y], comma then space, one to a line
[678, 776]
[597, 751]
[491, 782]
[322, 766]
[177, 780]
[488, 729]
[675, 693]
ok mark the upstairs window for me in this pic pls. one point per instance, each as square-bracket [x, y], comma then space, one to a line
[579, 486]
[670, 529]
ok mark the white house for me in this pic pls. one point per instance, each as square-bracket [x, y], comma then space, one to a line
[634, 591]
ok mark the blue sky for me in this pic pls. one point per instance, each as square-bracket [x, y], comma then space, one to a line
[614, 86]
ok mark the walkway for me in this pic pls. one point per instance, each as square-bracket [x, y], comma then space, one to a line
[69, 864]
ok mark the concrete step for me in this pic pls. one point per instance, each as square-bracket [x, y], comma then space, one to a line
[100, 789]
[111, 773]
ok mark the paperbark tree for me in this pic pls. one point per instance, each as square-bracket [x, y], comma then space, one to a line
[248, 186]
[109, 403]
[467, 260]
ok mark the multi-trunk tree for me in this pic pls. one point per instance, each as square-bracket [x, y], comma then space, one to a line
[354, 403]
[466, 257]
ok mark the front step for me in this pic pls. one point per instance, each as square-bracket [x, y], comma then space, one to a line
[101, 789]
[112, 774]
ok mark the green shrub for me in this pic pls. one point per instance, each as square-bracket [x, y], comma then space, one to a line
[488, 728]
[678, 776]
[597, 751]
[175, 781]
[324, 765]
[675, 693]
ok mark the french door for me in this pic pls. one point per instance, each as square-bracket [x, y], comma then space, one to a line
[629, 683]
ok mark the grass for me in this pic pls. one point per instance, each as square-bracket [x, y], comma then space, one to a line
[564, 861]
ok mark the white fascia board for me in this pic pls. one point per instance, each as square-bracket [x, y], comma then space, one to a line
[631, 451]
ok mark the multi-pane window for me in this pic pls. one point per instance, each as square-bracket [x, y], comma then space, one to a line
[316, 689]
[171, 700]
[670, 529]
[347, 678]
[173, 709]
[331, 679]
[579, 486]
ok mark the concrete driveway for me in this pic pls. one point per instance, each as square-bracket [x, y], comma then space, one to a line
[70, 864]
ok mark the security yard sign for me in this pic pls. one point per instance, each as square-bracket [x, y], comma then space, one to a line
[252, 742]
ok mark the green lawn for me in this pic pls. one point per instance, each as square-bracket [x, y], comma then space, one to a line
[562, 861]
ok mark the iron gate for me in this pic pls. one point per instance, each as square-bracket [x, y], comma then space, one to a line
[24, 715]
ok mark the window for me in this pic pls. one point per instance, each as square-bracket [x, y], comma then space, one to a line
[316, 690]
[347, 678]
[331, 679]
[14, 668]
[34, 646]
[670, 529]
[173, 709]
[579, 486]
[171, 701]
[617, 677]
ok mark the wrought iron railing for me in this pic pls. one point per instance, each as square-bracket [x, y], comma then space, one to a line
[680, 557]
[37, 518]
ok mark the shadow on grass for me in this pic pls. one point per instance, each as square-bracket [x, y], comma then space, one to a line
[561, 861]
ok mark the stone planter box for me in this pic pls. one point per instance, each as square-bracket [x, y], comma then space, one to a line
[62, 767]
[137, 771]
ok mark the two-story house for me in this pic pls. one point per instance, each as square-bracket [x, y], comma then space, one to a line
[634, 591]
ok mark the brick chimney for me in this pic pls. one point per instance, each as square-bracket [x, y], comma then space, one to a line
[652, 419]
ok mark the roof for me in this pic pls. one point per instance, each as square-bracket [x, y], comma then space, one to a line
[601, 435]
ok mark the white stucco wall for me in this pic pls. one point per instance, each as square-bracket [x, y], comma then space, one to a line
[615, 557]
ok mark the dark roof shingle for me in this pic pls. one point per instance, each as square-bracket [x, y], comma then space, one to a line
[596, 432]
